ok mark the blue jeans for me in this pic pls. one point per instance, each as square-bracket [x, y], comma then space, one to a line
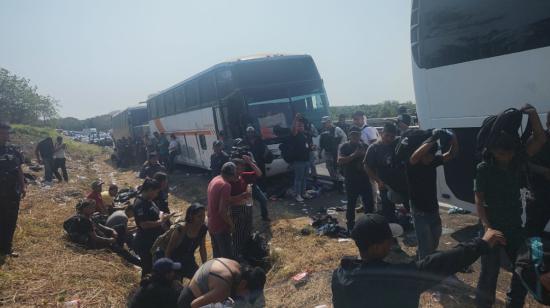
[487, 283]
[259, 195]
[428, 231]
[300, 169]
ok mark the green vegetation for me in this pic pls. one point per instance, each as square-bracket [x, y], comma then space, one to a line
[385, 109]
[26, 134]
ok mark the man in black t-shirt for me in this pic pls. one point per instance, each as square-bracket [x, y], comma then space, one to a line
[422, 181]
[357, 181]
[218, 158]
[44, 154]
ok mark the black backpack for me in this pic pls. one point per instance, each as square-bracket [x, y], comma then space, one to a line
[509, 122]
[72, 227]
[531, 264]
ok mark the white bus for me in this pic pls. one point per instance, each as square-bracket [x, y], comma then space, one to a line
[265, 92]
[471, 59]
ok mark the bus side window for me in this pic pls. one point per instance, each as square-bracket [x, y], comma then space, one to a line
[202, 140]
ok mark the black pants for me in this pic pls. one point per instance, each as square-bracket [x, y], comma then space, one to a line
[9, 210]
[186, 298]
[172, 161]
[60, 163]
[354, 189]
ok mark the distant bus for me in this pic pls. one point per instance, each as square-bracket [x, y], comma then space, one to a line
[129, 122]
[471, 59]
[265, 92]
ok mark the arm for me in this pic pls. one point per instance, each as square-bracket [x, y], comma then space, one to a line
[421, 152]
[174, 240]
[101, 240]
[535, 143]
[37, 153]
[224, 206]
[480, 205]
[342, 159]
[107, 230]
[202, 250]
[373, 175]
[154, 224]
[21, 179]
[252, 165]
[215, 295]
[453, 151]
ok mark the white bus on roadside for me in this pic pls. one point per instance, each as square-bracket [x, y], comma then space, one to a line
[265, 92]
[471, 59]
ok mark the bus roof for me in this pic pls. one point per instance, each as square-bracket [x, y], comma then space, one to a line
[253, 58]
[130, 109]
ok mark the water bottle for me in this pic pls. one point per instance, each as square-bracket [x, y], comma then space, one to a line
[249, 200]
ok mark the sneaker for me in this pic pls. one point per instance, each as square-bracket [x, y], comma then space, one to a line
[299, 198]
[308, 196]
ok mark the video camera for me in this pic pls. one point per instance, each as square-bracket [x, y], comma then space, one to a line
[239, 149]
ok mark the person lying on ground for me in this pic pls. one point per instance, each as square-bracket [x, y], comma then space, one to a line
[186, 239]
[219, 279]
[108, 197]
[372, 282]
[151, 166]
[159, 289]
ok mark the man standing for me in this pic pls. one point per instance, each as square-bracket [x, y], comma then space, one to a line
[356, 179]
[372, 282]
[422, 180]
[260, 152]
[332, 137]
[44, 154]
[59, 159]
[369, 134]
[220, 225]
[342, 124]
[163, 145]
[379, 165]
[151, 167]
[12, 190]
[218, 158]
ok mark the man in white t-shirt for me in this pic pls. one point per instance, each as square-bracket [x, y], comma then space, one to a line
[369, 134]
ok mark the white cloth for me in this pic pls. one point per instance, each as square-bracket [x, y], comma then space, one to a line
[369, 133]
[173, 146]
[59, 150]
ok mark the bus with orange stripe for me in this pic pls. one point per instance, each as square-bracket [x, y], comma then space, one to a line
[265, 92]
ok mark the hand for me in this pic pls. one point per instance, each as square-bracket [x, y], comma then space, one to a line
[23, 193]
[528, 108]
[247, 159]
[545, 281]
[494, 237]
[115, 234]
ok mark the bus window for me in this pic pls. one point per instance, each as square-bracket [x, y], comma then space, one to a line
[191, 94]
[207, 89]
[202, 141]
[161, 111]
[180, 99]
[169, 103]
[275, 71]
[452, 32]
[309, 103]
[224, 82]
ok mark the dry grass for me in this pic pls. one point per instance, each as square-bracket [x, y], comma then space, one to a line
[50, 271]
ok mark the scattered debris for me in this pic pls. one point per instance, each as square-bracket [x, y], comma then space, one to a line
[35, 168]
[300, 279]
[343, 240]
[457, 210]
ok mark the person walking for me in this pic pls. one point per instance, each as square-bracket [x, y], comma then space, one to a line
[350, 157]
[44, 154]
[12, 190]
[59, 160]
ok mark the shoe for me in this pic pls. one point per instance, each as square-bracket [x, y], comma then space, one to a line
[308, 196]
[360, 209]
[299, 198]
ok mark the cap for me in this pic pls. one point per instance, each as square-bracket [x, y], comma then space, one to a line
[373, 229]
[250, 129]
[325, 119]
[97, 183]
[404, 118]
[218, 143]
[165, 265]
[84, 203]
[354, 131]
[229, 169]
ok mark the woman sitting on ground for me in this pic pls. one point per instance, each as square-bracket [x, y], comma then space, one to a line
[160, 289]
[221, 278]
[185, 241]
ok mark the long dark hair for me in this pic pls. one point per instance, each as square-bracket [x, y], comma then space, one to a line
[192, 211]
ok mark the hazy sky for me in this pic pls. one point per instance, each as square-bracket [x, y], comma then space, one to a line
[99, 56]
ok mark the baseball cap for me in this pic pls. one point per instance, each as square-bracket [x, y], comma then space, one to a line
[354, 131]
[373, 229]
[325, 119]
[97, 183]
[250, 129]
[229, 169]
[165, 265]
[218, 143]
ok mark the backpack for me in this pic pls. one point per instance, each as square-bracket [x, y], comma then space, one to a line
[410, 140]
[508, 121]
[256, 251]
[532, 262]
[286, 152]
[72, 227]
[161, 243]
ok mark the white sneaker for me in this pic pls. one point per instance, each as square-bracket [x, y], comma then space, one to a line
[308, 196]
[299, 198]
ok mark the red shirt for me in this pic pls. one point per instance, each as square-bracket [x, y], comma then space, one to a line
[99, 206]
[218, 194]
[246, 178]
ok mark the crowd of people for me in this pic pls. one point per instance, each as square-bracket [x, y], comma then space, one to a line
[394, 166]
[130, 150]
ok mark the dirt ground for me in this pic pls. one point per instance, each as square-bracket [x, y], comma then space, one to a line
[50, 271]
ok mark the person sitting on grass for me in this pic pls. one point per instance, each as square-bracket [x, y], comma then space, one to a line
[186, 239]
[372, 282]
[108, 197]
[95, 194]
[159, 289]
[151, 166]
[118, 221]
[220, 279]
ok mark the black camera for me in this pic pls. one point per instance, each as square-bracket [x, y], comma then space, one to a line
[239, 149]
